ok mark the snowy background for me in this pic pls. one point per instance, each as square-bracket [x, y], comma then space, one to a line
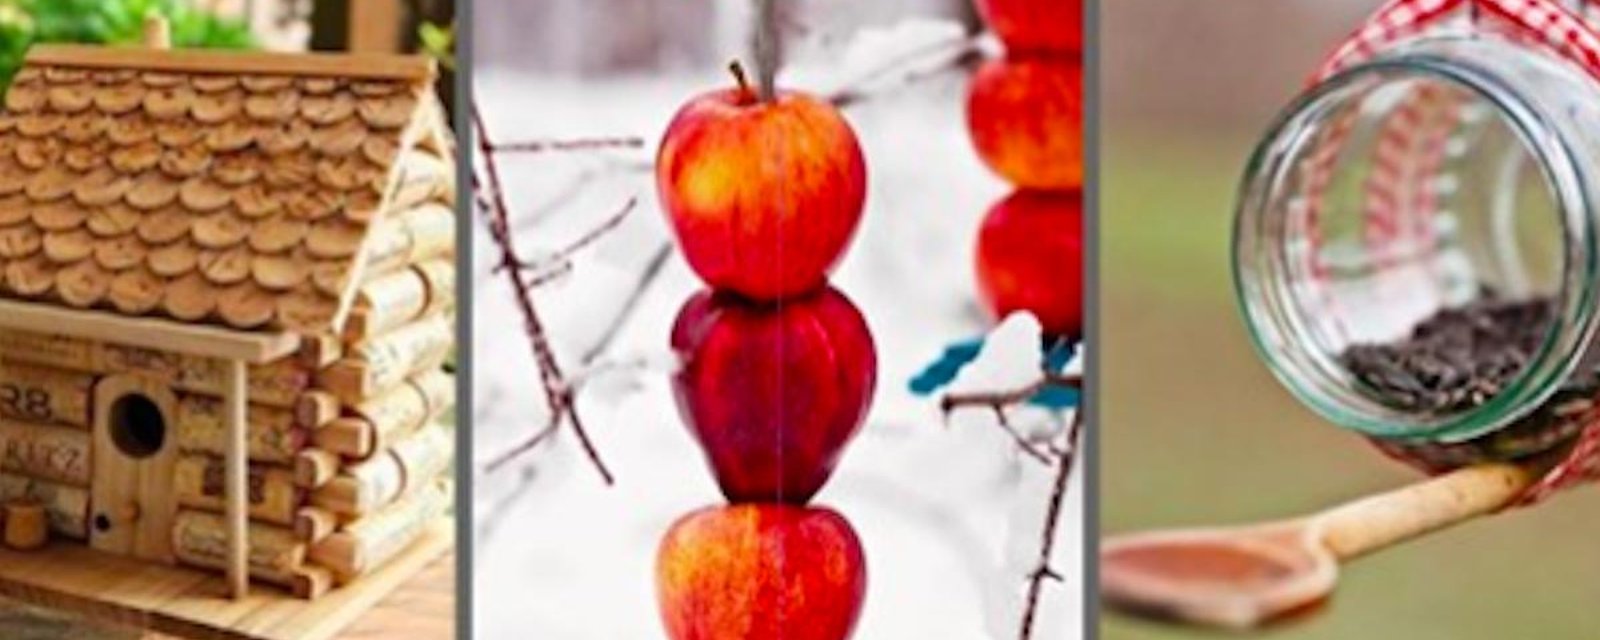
[950, 515]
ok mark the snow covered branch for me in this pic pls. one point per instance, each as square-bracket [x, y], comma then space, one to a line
[1062, 460]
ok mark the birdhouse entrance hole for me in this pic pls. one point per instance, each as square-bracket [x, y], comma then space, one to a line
[137, 426]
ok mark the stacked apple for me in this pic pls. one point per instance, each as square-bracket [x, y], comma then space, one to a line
[764, 194]
[1025, 115]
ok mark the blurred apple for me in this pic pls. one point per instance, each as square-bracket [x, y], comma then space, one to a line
[1025, 115]
[1030, 258]
[764, 196]
[760, 572]
[1036, 25]
[773, 392]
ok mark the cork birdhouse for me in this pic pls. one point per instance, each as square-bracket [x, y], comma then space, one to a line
[226, 298]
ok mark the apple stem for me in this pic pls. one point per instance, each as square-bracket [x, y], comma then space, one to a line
[739, 76]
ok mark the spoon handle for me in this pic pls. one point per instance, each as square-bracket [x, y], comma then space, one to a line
[1375, 522]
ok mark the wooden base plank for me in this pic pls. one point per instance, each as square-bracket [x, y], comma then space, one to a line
[424, 608]
[187, 603]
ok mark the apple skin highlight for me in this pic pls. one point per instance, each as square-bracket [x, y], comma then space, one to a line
[1030, 258]
[764, 197]
[1045, 26]
[760, 572]
[1025, 117]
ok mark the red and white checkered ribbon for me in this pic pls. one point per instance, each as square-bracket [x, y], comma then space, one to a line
[1399, 198]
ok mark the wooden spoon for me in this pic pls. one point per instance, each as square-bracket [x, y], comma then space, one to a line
[1242, 577]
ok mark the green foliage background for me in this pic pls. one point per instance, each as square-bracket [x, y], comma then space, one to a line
[25, 22]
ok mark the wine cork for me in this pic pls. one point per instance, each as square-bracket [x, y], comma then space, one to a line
[349, 437]
[314, 468]
[45, 395]
[315, 409]
[365, 487]
[366, 544]
[312, 524]
[272, 493]
[320, 350]
[271, 436]
[388, 248]
[438, 389]
[26, 527]
[407, 408]
[387, 303]
[275, 554]
[310, 582]
[414, 235]
[66, 507]
[432, 229]
[440, 276]
[385, 361]
[53, 453]
[48, 350]
[422, 177]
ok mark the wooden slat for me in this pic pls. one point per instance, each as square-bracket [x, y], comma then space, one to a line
[149, 333]
[344, 65]
[424, 608]
[191, 603]
[329, 614]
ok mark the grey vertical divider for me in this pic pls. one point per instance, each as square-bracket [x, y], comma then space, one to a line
[1091, 335]
[464, 304]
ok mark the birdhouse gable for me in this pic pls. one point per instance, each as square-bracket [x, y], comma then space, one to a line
[241, 190]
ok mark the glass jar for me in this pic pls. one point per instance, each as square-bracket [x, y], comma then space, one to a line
[1445, 171]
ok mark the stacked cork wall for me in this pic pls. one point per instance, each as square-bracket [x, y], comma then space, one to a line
[45, 443]
[377, 472]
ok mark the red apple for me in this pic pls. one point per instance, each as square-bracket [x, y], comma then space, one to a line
[1036, 25]
[1030, 257]
[760, 572]
[764, 196]
[773, 392]
[1025, 115]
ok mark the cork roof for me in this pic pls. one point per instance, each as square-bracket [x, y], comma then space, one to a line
[232, 189]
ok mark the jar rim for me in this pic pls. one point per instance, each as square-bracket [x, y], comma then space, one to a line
[1264, 302]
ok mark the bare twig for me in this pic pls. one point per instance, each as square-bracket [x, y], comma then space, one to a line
[575, 144]
[992, 399]
[524, 446]
[558, 394]
[1052, 520]
[910, 68]
[1062, 459]
[1027, 446]
[559, 263]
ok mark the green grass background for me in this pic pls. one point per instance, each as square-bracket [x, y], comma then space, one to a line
[1196, 431]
